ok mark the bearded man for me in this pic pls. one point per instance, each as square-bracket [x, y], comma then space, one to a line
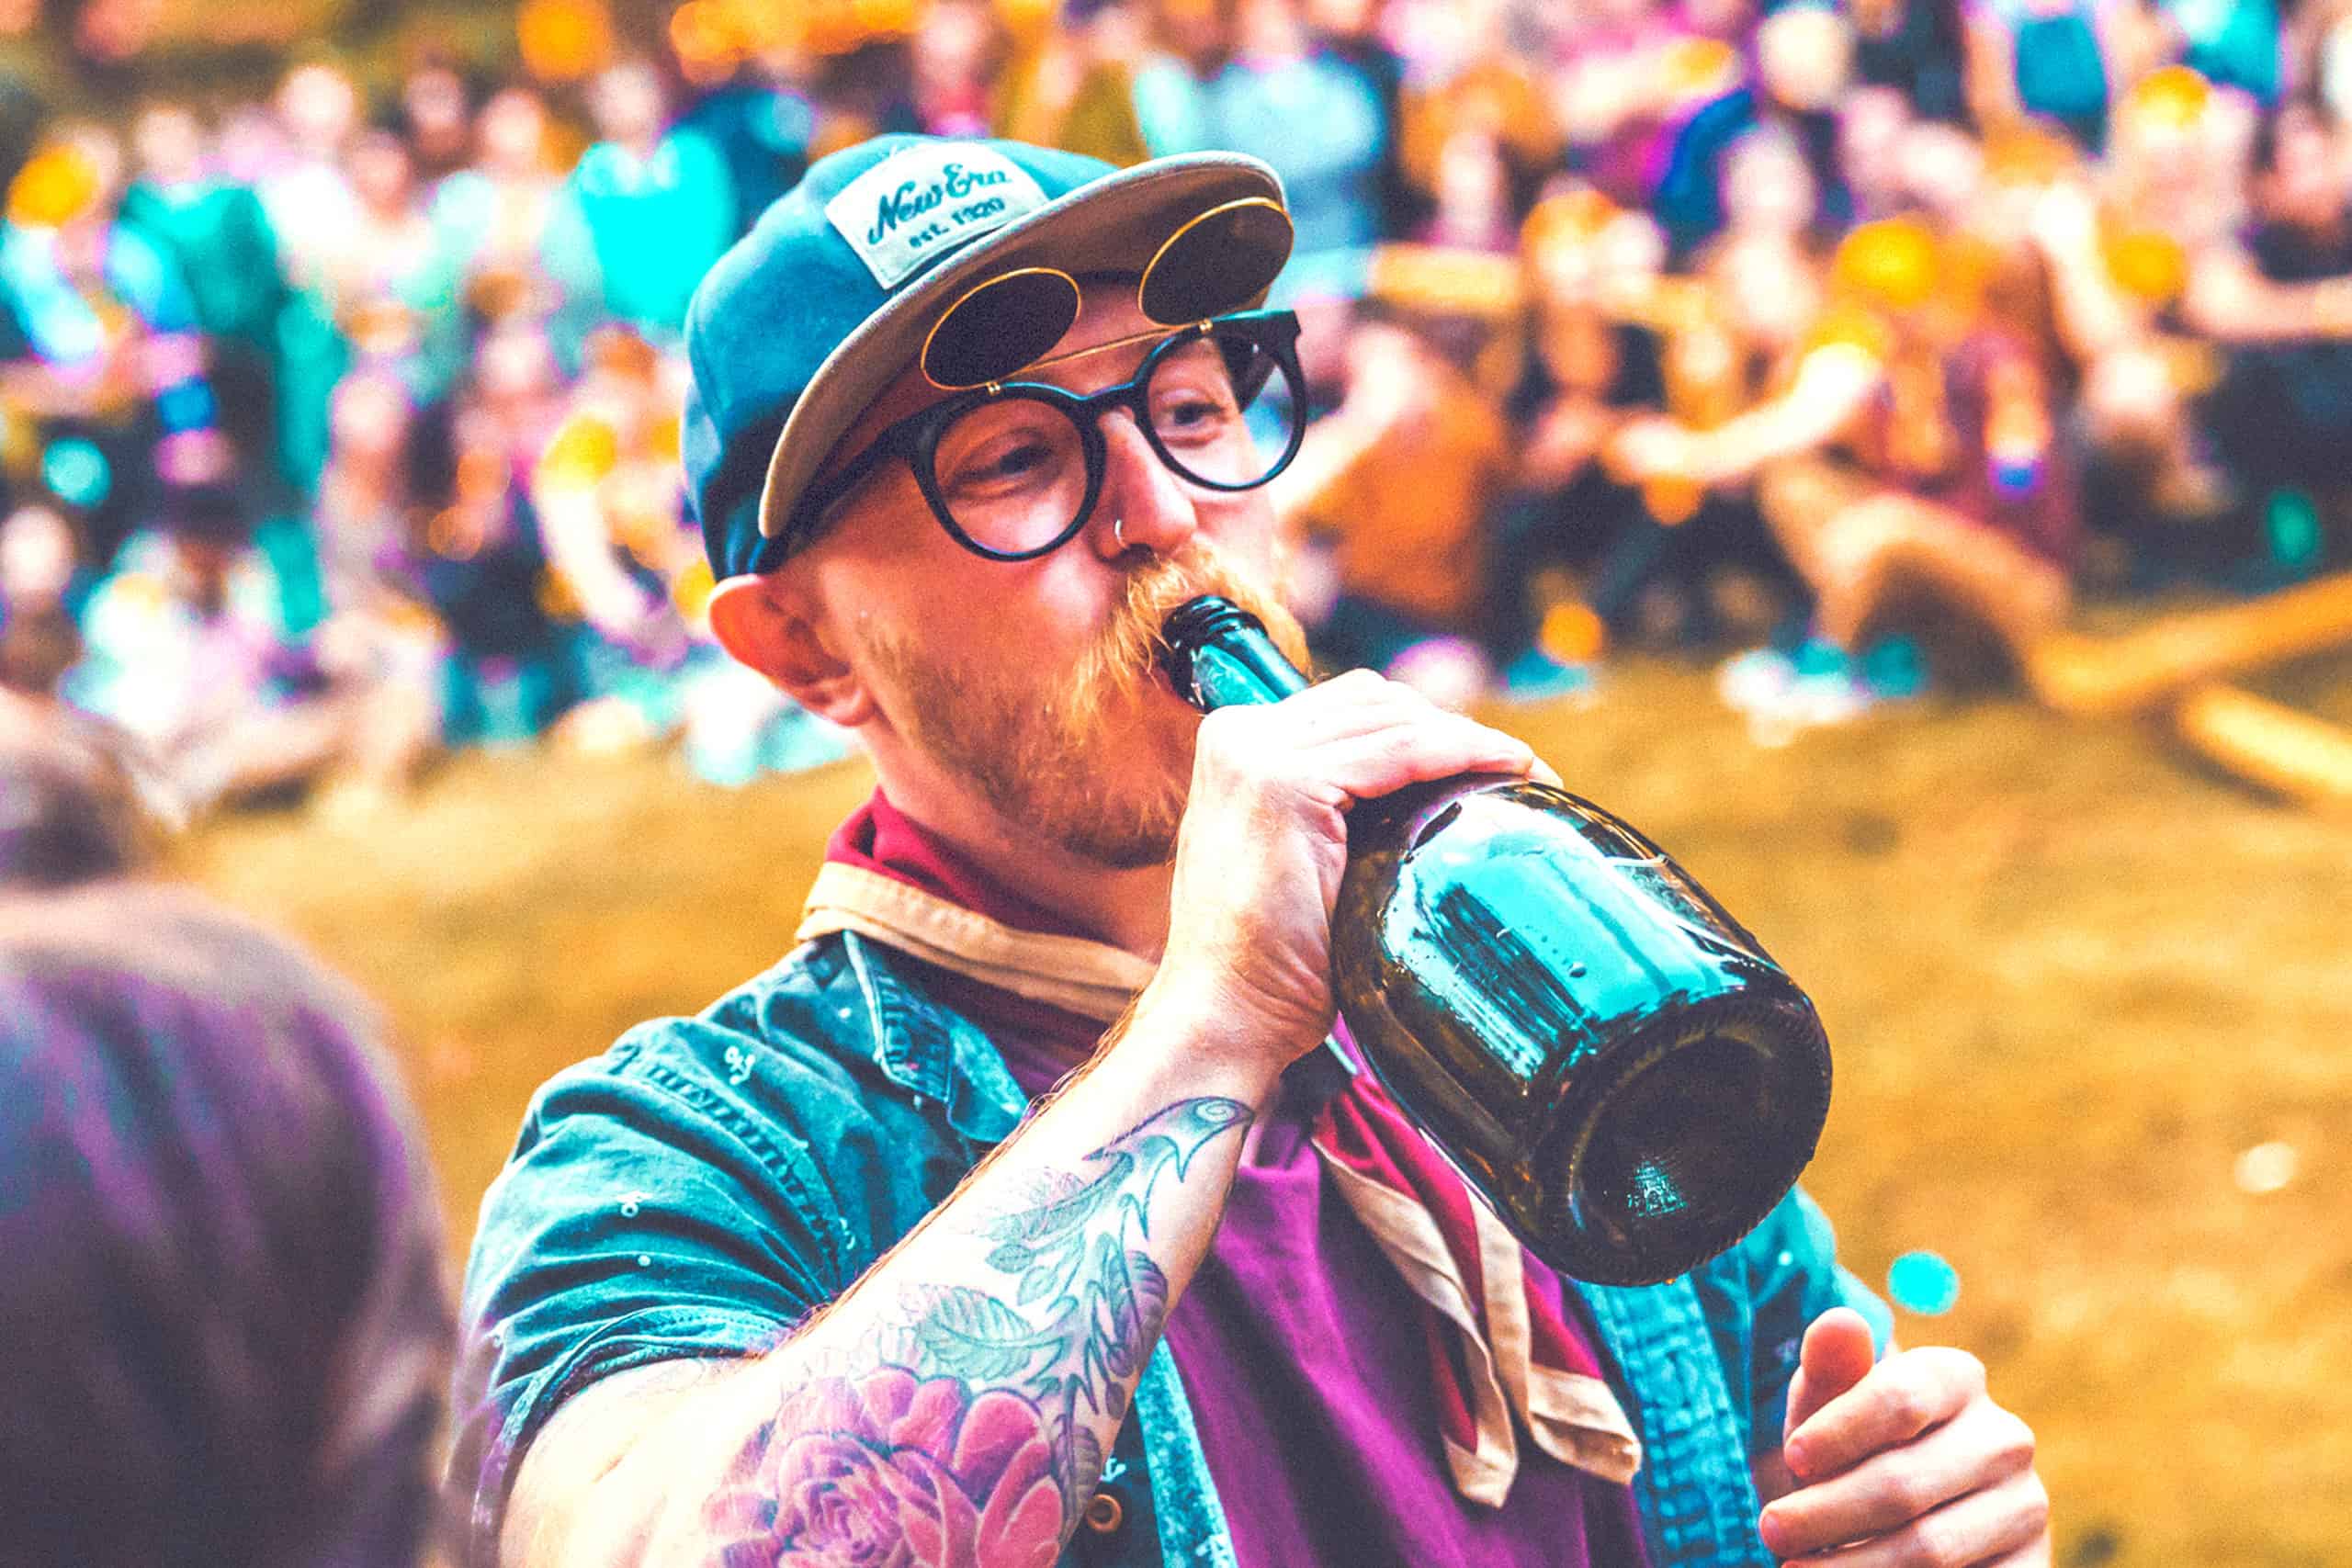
[1027, 1213]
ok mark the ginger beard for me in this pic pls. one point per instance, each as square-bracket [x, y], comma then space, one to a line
[1097, 760]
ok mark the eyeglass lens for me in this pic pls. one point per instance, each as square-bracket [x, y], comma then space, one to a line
[1012, 471]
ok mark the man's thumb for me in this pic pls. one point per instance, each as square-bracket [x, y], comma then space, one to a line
[1837, 1354]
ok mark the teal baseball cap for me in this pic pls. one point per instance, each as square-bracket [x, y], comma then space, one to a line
[959, 255]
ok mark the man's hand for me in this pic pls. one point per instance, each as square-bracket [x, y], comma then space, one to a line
[1905, 1464]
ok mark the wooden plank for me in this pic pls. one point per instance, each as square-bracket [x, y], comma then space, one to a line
[2277, 747]
[2091, 675]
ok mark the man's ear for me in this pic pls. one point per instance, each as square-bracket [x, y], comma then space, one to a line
[767, 623]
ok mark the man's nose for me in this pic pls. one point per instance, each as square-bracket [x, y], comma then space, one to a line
[1143, 504]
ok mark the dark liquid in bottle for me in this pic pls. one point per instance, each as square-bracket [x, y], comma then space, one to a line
[1594, 1041]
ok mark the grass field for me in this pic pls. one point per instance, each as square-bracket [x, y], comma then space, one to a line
[2069, 975]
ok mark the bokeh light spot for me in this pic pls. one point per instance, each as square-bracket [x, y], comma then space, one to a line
[76, 472]
[1923, 1282]
[2266, 1168]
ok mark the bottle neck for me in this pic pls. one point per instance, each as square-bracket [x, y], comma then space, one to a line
[1218, 655]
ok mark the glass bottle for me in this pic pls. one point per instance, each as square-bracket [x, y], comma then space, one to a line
[1608, 1056]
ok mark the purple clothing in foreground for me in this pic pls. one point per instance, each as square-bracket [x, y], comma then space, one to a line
[1309, 1372]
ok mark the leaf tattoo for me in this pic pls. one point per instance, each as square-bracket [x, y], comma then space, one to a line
[970, 1335]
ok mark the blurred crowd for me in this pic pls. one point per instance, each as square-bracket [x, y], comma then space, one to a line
[1848, 344]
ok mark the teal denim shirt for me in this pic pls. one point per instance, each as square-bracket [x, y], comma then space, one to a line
[710, 1181]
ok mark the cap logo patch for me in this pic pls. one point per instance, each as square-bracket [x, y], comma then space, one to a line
[927, 200]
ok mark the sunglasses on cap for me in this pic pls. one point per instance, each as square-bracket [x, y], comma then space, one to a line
[1011, 469]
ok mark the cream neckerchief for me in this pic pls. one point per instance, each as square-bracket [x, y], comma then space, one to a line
[1092, 979]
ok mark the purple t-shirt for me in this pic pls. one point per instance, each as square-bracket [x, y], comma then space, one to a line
[1301, 1347]
[1299, 1343]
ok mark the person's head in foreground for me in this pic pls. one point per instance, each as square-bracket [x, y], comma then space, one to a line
[222, 1325]
[997, 475]
[70, 807]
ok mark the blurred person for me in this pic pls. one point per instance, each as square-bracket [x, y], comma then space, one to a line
[42, 582]
[2121, 241]
[865, 90]
[109, 35]
[249, 144]
[1914, 48]
[1690, 562]
[1352, 32]
[483, 568]
[1482, 136]
[2239, 45]
[378, 635]
[371, 293]
[1726, 21]
[70, 808]
[957, 57]
[740, 1293]
[1769, 192]
[1592, 269]
[309, 198]
[1908, 460]
[367, 494]
[1240, 75]
[2317, 50]
[1071, 82]
[1396, 483]
[91, 53]
[2277, 298]
[1472, 197]
[437, 118]
[625, 557]
[1801, 66]
[657, 200]
[104, 361]
[758, 113]
[611, 507]
[1443, 40]
[1940, 172]
[1632, 71]
[1872, 126]
[185, 649]
[223, 1326]
[313, 212]
[2051, 60]
[387, 283]
[217, 231]
[511, 233]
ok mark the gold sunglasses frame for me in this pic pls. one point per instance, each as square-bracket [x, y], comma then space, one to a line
[1143, 292]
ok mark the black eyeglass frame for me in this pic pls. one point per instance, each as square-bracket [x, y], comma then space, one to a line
[916, 438]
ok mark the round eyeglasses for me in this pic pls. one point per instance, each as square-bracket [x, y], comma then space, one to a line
[1012, 470]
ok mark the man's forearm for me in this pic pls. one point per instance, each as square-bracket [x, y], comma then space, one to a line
[958, 1401]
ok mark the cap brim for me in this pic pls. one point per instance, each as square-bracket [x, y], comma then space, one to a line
[1115, 224]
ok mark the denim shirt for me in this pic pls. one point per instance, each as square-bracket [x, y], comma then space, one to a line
[710, 1181]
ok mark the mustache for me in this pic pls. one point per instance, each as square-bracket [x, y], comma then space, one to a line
[1131, 644]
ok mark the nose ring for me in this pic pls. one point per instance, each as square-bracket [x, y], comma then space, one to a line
[1119, 532]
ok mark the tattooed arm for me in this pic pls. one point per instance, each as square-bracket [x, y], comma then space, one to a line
[961, 1398]
[955, 1405]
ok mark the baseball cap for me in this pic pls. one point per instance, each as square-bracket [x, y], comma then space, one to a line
[857, 271]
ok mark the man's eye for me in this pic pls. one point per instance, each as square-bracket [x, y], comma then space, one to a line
[1192, 414]
[1006, 465]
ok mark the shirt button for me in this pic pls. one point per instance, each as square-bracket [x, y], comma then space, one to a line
[1104, 1513]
